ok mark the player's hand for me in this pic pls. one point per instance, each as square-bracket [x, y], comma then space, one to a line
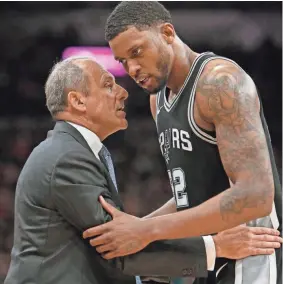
[243, 241]
[124, 235]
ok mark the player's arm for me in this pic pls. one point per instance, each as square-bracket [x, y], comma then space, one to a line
[167, 208]
[231, 103]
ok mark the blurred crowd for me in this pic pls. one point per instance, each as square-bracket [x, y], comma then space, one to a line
[141, 174]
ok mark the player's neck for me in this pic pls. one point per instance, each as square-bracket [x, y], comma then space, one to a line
[181, 66]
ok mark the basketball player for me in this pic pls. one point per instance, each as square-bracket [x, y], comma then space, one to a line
[213, 137]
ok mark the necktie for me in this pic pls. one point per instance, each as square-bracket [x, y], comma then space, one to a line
[106, 159]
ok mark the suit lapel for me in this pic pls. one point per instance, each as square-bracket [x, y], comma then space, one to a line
[62, 126]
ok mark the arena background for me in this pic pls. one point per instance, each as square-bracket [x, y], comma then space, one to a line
[33, 35]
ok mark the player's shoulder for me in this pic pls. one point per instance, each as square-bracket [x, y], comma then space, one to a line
[220, 65]
[221, 83]
[221, 71]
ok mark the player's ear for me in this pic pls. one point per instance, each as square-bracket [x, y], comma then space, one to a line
[168, 32]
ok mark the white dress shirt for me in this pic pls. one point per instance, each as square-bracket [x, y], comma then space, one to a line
[95, 145]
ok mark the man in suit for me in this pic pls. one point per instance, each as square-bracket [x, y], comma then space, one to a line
[59, 186]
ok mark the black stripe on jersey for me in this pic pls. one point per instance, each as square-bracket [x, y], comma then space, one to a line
[200, 133]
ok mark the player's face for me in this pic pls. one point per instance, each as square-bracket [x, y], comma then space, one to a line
[106, 99]
[145, 57]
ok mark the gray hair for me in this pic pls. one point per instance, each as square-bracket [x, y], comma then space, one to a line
[65, 76]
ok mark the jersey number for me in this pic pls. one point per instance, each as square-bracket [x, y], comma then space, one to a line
[178, 185]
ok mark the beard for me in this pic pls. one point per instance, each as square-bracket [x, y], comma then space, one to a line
[161, 85]
[163, 68]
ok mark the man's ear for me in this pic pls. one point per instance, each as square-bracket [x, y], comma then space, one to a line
[168, 32]
[76, 100]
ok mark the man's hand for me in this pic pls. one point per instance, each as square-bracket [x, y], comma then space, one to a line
[124, 235]
[243, 241]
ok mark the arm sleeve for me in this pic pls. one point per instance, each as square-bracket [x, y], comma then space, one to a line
[173, 258]
[76, 183]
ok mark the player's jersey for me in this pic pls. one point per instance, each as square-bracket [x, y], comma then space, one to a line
[191, 154]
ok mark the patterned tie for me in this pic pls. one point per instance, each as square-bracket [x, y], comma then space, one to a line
[106, 159]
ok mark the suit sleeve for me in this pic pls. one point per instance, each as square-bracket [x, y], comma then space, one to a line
[76, 183]
[172, 258]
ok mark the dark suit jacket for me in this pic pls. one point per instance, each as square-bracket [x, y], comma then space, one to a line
[57, 199]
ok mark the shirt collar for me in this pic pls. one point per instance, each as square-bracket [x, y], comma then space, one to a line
[91, 138]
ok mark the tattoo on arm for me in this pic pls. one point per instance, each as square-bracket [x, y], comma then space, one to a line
[233, 106]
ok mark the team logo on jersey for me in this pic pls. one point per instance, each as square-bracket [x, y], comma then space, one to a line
[174, 138]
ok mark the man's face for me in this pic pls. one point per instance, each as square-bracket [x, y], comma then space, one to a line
[105, 101]
[144, 56]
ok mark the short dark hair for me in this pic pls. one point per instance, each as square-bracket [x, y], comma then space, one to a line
[139, 14]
